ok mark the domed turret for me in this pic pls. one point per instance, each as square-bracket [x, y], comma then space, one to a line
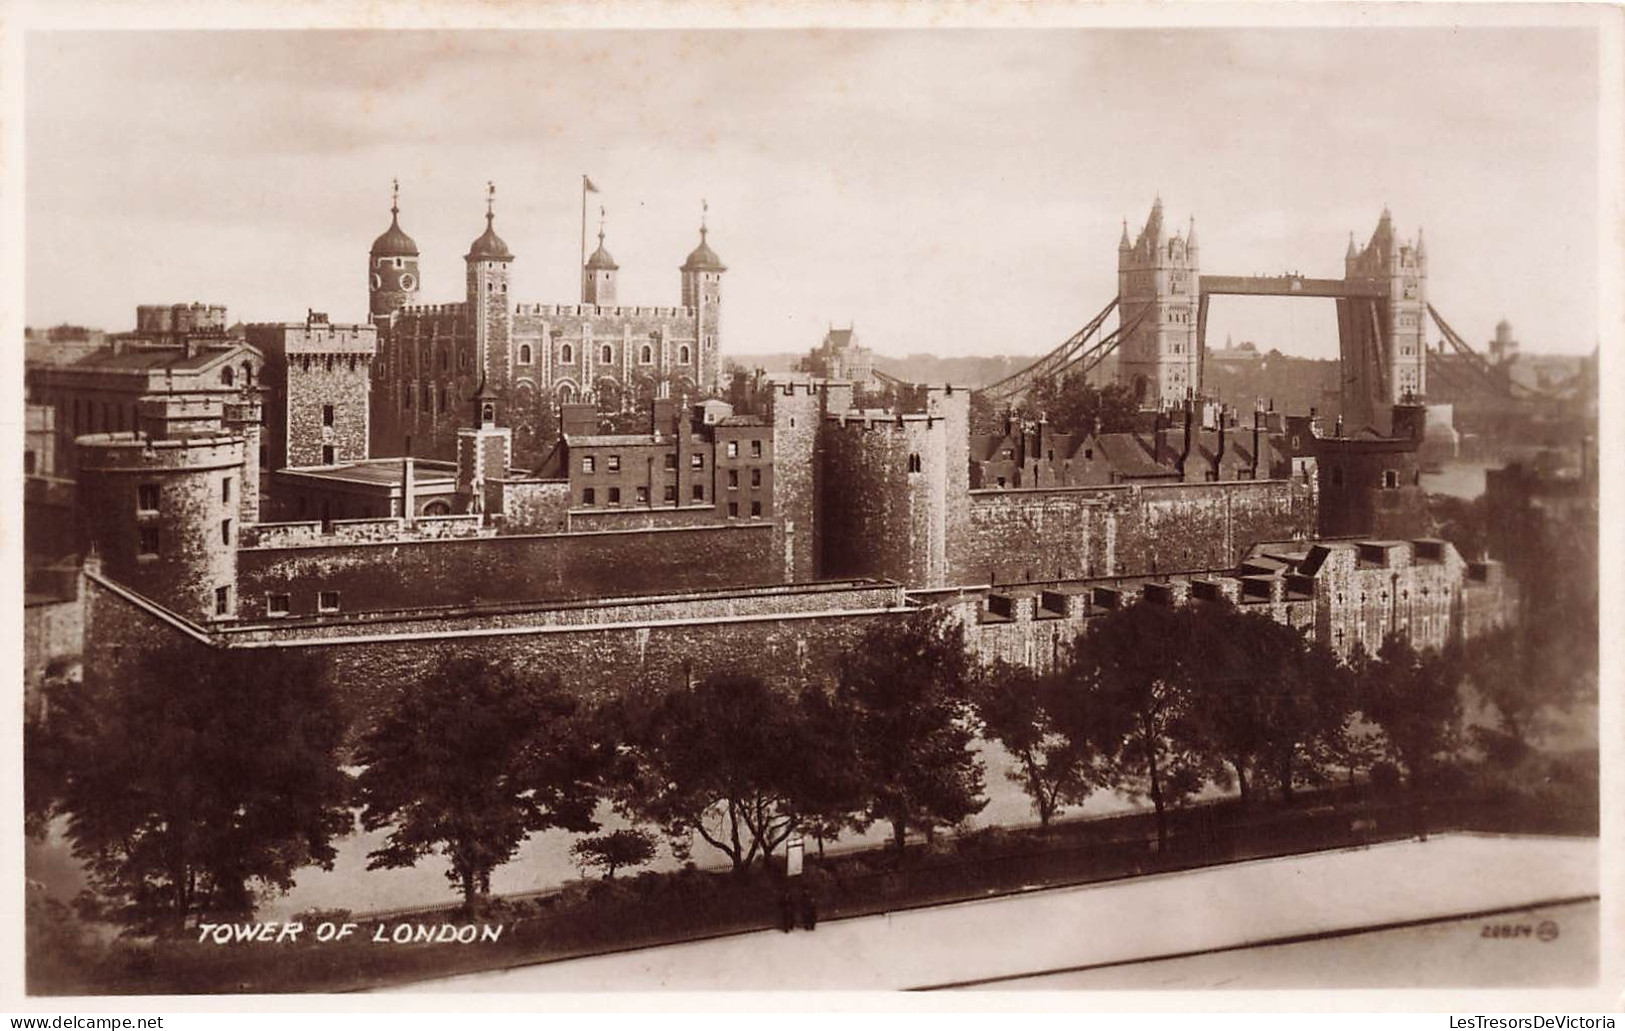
[392, 264]
[598, 276]
[489, 246]
[703, 258]
[394, 243]
[702, 291]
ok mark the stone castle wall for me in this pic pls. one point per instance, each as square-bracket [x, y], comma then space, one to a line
[398, 574]
[1060, 533]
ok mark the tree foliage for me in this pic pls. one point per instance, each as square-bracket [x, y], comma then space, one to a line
[1073, 404]
[907, 686]
[617, 850]
[733, 760]
[1415, 698]
[472, 761]
[200, 781]
[1135, 666]
[1273, 704]
[1038, 721]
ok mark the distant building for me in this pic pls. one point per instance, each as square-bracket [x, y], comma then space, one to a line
[842, 359]
[178, 366]
[1244, 353]
[60, 345]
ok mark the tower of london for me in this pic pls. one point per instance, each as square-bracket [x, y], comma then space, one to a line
[432, 358]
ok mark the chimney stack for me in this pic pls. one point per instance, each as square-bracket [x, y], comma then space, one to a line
[1179, 464]
[1258, 426]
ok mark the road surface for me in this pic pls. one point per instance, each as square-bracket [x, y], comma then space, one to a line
[1022, 940]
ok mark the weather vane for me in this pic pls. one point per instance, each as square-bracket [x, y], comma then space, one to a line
[490, 197]
[394, 196]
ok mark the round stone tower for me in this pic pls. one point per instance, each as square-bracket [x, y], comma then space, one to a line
[164, 515]
[392, 266]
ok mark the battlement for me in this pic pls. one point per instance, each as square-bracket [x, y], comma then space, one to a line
[388, 529]
[348, 339]
[456, 308]
[622, 310]
[136, 452]
[243, 411]
[176, 405]
[877, 420]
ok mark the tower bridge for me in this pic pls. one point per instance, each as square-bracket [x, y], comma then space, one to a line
[1162, 307]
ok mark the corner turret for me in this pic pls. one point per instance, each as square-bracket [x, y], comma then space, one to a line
[392, 265]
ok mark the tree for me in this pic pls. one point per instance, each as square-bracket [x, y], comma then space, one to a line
[196, 791]
[1133, 666]
[1415, 698]
[1523, 677]
[614, 851]
[1266, 700]
[733, 760]
[907, 686]
[1073, 405]
[1027, 713]
[473, 760]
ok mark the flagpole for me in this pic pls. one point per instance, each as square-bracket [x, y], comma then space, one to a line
[581, 275]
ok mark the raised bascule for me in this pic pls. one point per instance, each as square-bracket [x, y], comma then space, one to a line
[1162, 305]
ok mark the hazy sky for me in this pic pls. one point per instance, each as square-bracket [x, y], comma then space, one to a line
[952, 191]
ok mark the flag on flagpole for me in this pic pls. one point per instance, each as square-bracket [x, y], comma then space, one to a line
[587, 185]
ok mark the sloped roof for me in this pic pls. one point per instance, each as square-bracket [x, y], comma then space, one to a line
[1129, 456]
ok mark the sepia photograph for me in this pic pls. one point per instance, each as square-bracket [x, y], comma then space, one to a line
[1086, 507]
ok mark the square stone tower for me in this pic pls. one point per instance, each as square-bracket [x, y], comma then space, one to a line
[1158, 283]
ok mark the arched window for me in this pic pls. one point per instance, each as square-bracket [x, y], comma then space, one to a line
[567, 355]
[248, 375]
[437, 508]
[228, 376]
[647, 355]
[914, 462]
[608, 356]
[524, 354]
[567, 393]
[682, 355]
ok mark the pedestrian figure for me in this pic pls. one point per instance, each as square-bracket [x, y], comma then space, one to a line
[787, 912]
[809, 910]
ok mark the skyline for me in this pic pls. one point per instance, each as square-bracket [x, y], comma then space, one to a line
[945, 191]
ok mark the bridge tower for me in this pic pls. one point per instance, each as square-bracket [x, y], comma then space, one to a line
[1383, 338]
[1158, 280]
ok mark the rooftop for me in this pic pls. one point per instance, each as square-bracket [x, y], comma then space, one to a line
[380, 471]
